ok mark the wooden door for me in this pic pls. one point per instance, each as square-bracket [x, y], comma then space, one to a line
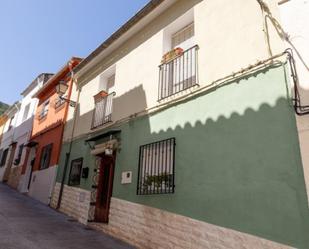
[7, 171]
[105, 188]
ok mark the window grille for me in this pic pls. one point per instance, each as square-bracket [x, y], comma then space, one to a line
[75, 172]
[26, 112]
[156, 174]
[103, 111]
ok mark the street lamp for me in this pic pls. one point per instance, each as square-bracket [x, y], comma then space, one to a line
[61, 89]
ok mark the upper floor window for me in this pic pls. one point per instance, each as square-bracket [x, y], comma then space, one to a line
[184, 37]
[178, 69]
[107, 79]
[46, 156]
[26, 112]
[59, 102]
[111, 81]
[156, 168]
[44, 109]
[103, 101]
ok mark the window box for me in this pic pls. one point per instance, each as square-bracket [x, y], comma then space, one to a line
[171, 55]
[100, 96]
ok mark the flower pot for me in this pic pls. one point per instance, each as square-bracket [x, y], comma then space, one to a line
[100, 95]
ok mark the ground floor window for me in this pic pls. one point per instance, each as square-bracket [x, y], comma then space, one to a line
[20, 152]
[3, 158]
[45, 156]
[75, 172]
[157, 168]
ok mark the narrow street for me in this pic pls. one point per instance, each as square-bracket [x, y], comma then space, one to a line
[27, 224]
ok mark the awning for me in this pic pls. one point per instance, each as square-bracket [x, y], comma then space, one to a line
[13, 143]
[103, 135]
[31, 144]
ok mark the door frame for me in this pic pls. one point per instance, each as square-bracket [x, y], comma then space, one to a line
[102, 213]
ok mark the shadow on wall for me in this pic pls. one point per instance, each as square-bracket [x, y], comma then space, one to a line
[129, 102]
[240, 170]
[243, 172]
[134, 99]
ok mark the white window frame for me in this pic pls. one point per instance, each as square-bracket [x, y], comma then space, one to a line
[44, 109]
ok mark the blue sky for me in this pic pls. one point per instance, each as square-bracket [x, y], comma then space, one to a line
[41, 35]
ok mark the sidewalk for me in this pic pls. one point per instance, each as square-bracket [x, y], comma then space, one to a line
[28, 224]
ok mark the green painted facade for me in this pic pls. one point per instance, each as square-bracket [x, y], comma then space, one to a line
[237, 162]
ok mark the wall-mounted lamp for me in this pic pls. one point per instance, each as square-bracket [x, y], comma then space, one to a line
[61, 89]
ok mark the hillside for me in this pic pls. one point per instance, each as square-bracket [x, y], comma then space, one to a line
[3, 107]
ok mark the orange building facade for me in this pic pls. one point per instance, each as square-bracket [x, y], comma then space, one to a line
[45, 143]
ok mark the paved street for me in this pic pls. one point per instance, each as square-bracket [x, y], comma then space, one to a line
[27, 224]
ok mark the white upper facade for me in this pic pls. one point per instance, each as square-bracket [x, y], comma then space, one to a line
[228, 37]
[18, 127]
[28, 105]
[8, 130]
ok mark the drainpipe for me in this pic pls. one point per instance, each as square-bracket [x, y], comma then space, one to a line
[67, 155]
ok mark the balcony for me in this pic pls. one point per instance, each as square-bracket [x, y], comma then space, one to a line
[42, 115]
[102, 113]
[178, 74]
[59, 103]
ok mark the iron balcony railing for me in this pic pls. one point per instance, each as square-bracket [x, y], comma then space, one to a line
[178, 74]
[103, 111]
[42, 114]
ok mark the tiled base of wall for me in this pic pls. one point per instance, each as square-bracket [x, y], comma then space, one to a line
[148, 227]
[151, 228]
[75, 202]
[14, 177]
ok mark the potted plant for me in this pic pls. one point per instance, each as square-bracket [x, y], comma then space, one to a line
[160, 181]
[100, 95]
[172, 54]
